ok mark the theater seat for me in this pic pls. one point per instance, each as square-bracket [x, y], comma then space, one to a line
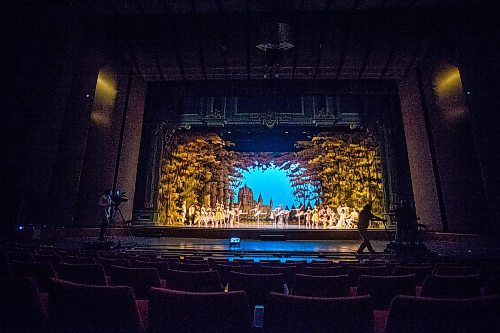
[83, 273]
[456, 270]
[257, 286]
[420, 272]
[321, 286]
[82, 308]
[224, 271]
[383, 289]
[436, 315]
[193, 281]
[22, 309]
[493, 285]
[198, 267]
[286, 313]
[325, 271]
[451, 286]
[140, 279]
[173, 311]
[160, 265]
[107, 263]
[78, 260]
[40, 272]
[356, 271]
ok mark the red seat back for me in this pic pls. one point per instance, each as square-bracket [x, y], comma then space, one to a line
[286, 313]
[451, 286]
[176, 311]
[430, 315]
[22, 307]
[84, 308]
[383, 289]
[321, 286]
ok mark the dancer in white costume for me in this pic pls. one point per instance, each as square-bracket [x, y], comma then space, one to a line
[299, 213]
[203, 216]
[257, 212]
[308, 217]
[286, 216]
[191, 215]
[352, 219]
[329, 216]
[322, 216]
[211, 216]
[279, 215]
[272, 216]
[342, 212]
[315, 216]
[231, 214]
[239, 212]
[183, 212]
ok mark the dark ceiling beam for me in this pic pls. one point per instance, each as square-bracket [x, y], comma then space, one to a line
[414, 58]
[179, 62]
[175, 48]
[165, 4]
[156, 50]
[113, 6]
[298, 30]
[345, 42]
[248, 39]
[319, 54]
[120, 47]
[90, 10]
[418, 49]
[223, 32]
[366, 58]
[389, 60]
[319, 50]
[200, 45]
[134, 57]
[139, 6]
[369, 43]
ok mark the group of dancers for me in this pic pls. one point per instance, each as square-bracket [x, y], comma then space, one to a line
[342, 217]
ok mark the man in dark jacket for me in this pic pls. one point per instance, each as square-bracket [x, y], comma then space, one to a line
[364, 220]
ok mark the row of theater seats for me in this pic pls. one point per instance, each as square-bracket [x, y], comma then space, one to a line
[314, 283]
[299, 278]
[72, 307]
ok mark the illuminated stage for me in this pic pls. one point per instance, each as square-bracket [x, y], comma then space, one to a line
[263, 225]
[263, 232]
[276, 157]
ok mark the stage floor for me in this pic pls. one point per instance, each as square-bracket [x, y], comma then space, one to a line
[222, 245]
[454, 245]
[261, 225]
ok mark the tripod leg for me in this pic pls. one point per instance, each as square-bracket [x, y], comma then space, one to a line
[121, 215]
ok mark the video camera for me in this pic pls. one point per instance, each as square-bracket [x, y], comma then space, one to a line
[119, 197]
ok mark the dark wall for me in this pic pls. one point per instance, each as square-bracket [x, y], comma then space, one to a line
[50, 63]
[37, 66]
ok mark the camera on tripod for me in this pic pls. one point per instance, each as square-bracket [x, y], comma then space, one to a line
[118, 198]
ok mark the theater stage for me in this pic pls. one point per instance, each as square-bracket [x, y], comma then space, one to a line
[336, 243]
[260, 232]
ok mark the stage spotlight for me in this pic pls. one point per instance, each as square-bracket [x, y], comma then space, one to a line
[234, 241]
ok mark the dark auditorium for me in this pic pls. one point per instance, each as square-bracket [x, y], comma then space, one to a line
[258, 166]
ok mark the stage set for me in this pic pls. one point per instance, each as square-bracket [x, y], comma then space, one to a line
[239, 157]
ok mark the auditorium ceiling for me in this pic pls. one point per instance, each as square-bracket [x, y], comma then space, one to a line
[195, 40]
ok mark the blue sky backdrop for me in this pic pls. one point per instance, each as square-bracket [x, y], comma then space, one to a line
[272, 183]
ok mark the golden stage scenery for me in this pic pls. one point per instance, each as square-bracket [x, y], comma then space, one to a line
[336, 173]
